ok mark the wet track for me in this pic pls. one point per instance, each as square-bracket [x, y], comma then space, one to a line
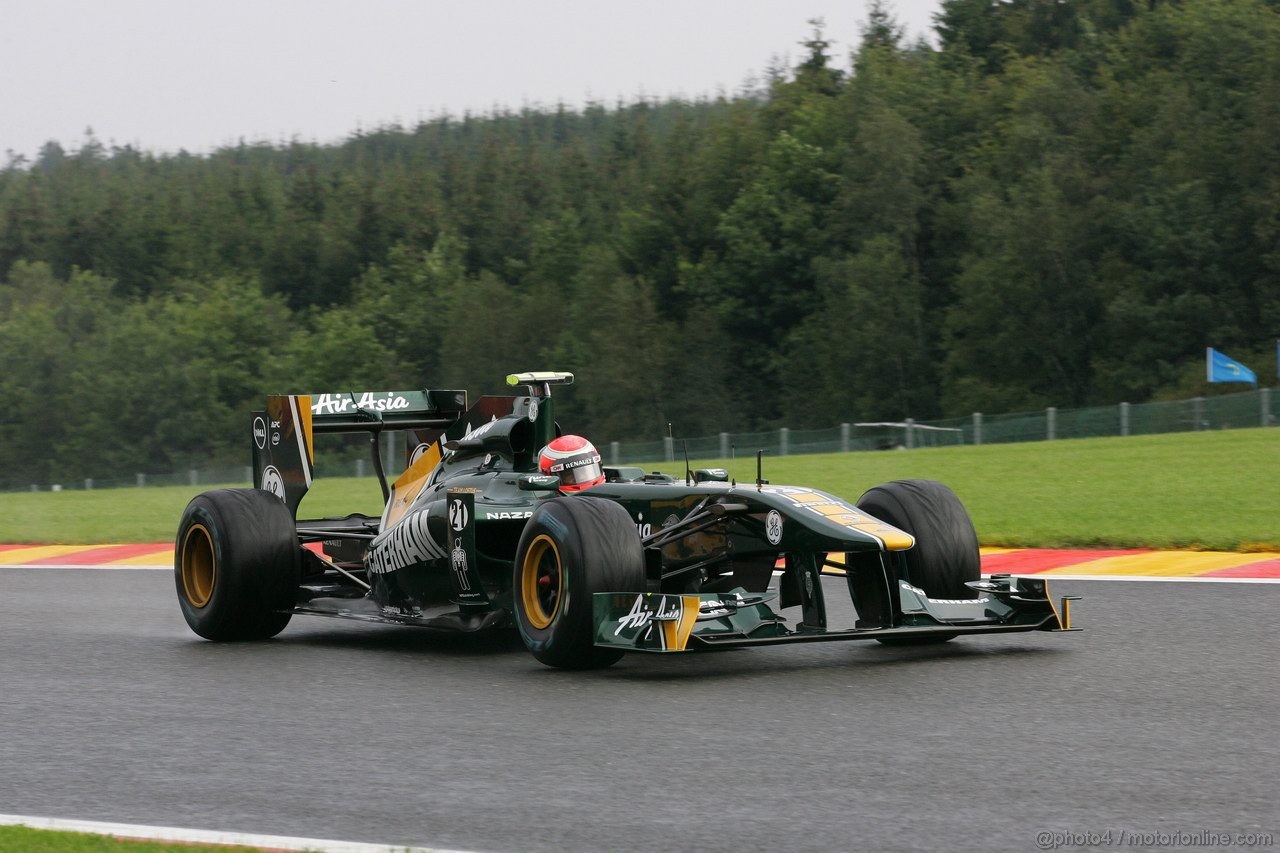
[1159, 717]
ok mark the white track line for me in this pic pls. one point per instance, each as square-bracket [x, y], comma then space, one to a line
[204, 836]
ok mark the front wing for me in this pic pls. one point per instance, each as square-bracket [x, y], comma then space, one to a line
[656, 622]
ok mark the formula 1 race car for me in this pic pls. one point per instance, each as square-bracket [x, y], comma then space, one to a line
[475, 535]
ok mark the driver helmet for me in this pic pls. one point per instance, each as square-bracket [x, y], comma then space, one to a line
[574, 460]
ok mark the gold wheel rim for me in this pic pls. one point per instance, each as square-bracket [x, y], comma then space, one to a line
[542, 560]
[199, 567]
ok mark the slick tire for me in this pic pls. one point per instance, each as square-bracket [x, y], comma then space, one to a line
[572, 548]
[945, 555]
[237, 564]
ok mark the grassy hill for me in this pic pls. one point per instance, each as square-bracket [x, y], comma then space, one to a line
[1210, 490]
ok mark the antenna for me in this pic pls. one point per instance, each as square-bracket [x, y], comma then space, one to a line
[760, 480]
[733, 455]
[688, 474]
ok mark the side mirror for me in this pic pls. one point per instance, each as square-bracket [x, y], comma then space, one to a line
[539, 483]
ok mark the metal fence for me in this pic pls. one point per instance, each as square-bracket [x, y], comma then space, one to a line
[1227, 411]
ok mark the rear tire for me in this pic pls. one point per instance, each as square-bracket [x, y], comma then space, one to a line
[236, 564]
[945, 555]
[572, 548]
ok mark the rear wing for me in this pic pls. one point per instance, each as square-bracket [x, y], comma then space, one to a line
[283, 433]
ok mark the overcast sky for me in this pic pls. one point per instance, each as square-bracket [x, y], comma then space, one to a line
[169, 74]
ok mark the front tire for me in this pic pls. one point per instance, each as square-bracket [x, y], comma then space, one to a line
[945, 556]
[572, 548]
[236, 564]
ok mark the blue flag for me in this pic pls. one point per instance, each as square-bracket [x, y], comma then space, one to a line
[1223, 369]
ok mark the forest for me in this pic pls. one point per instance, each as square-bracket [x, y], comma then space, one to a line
[1048, 203]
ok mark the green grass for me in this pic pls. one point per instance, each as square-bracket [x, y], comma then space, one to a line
[147, 514]
[22, 839]
[1208, 490]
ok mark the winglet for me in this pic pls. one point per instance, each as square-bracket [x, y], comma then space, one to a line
[541, 378]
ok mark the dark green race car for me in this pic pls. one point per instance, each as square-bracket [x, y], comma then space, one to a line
[475, 536]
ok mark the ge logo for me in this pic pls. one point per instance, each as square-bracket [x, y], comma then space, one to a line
[273, 482]
[773, 527]
[457, 515]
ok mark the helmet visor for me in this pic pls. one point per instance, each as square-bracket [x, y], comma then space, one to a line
[584, 471]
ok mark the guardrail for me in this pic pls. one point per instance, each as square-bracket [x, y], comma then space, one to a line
[1227, 411]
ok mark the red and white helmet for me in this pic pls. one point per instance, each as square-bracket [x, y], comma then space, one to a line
[574, 460]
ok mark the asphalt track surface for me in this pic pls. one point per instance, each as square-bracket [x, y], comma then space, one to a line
[1159, 717]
